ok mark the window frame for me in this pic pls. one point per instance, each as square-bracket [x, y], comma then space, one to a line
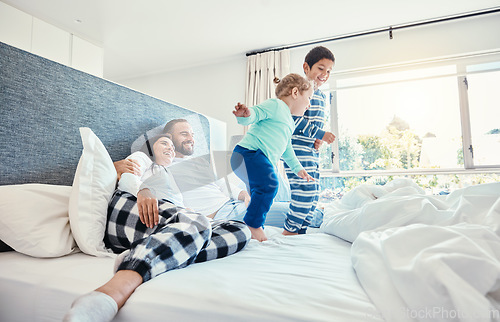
[461, 63]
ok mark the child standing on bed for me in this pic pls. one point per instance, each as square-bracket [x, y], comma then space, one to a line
[306, 140]
[254, 158]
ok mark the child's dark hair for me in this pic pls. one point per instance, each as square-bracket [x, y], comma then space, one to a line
[289, 82]
[318, 53]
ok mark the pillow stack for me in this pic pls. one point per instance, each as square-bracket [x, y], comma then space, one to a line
[44, 220]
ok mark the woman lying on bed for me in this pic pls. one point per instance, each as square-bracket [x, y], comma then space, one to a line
[153, 234]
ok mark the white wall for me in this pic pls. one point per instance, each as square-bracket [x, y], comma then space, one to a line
[51, 42]
[439, 40]
[213, 90]
[15, 27]
[218, 134]
[87, 57]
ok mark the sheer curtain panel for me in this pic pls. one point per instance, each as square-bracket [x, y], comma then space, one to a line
[261, 71]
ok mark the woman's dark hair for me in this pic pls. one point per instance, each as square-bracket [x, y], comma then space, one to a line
[318, 53]
[147, 147]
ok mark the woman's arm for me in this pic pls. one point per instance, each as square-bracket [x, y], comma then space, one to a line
[147, 203]
[131, 182]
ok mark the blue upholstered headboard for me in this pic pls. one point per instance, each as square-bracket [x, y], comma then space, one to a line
[42, 105]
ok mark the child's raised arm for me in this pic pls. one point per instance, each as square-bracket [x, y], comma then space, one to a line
[240, 110]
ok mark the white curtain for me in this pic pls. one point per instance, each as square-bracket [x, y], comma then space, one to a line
[261, 71]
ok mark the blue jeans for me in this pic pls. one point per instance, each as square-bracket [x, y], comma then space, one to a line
[259, 175]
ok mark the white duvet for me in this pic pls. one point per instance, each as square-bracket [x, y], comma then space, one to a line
[420, 257]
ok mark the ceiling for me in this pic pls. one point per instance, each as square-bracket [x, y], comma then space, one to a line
[153, 36]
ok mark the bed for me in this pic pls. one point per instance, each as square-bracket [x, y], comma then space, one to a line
[61, 129]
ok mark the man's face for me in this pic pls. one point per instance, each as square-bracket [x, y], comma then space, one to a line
[183, 138]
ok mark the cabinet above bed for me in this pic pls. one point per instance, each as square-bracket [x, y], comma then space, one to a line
[36, 36]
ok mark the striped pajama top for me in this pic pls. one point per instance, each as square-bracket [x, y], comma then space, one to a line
[309, 127]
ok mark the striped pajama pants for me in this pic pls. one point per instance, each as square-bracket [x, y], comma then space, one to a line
[305, 194]
[180, 238]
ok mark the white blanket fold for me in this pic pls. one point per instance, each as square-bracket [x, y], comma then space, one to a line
[401, 202]
[424, 258]
[431, 273]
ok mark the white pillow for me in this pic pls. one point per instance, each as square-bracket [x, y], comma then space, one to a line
[34, 219]
[93, 186]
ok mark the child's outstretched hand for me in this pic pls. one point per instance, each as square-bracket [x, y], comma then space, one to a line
[329, 137]
[304, 175]
[240, 110]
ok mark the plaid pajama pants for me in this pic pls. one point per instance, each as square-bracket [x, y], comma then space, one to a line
[180, 238]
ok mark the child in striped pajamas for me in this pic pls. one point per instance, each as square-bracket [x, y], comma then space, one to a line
[255, 157]
[306, 140]
[153, 233]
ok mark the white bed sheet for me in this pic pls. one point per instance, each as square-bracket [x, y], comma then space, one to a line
[293, 278]
[436, 258]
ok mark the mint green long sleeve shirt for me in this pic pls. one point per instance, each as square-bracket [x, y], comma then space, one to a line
[271, 132]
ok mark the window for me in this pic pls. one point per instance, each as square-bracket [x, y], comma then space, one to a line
[395, 126]
[429, 119]
[325, 150]
[484, 109]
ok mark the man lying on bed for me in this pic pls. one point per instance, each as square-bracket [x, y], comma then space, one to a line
[200, 189]
[153, 233]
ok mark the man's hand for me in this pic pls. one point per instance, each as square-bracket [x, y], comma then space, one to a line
[127, 166]
[245, 197]
[147, 205]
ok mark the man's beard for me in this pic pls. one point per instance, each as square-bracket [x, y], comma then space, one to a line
[185, 151]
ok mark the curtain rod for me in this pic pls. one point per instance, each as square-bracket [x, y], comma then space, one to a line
[384, 29]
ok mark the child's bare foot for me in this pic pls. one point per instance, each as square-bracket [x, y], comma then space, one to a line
[287, 233]
[258, 233]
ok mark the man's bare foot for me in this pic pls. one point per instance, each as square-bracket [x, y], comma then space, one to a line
[258, 233]
[287, 233]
